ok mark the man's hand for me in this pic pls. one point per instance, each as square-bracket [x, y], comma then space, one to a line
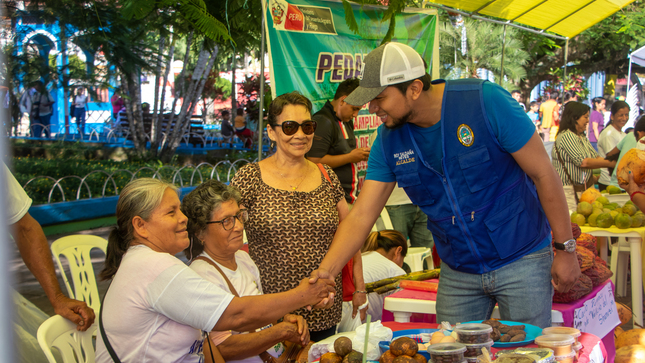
[358, 299]
[298, 330]
[75, 311]
[359, 154]
[564, 270]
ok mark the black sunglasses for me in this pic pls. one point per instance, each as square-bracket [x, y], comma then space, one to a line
[291, 127]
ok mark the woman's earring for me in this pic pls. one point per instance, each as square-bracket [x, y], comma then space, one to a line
[272, 145]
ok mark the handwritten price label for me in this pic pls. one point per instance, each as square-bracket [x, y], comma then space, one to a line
[598, 315]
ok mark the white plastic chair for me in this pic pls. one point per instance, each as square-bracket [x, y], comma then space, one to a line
[76, 249]
[383, 222]
[415, 257]
[74, 346]
[619, 265]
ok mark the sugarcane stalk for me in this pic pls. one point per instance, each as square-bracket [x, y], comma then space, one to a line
[414, 276]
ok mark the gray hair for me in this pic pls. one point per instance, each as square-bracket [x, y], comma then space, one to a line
[139, 198]
[200, 204]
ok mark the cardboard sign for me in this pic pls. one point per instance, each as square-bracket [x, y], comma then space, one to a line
[597, 315]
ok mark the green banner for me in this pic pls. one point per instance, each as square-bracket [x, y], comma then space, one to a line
[311, 49]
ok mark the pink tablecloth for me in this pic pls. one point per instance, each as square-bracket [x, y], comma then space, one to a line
[589, 341]
[567, 311]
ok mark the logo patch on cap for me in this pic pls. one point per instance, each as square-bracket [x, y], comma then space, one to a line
[465, 135]
[400, 77]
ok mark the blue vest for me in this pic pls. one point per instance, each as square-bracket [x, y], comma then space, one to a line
[483, 210]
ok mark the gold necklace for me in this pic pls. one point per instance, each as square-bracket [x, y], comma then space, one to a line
[287, 180]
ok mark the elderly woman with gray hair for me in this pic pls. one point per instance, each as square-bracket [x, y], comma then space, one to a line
[215, 227]
[157, 309]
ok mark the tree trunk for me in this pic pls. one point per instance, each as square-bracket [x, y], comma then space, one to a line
[155, 109]
[155, 144]
[233, 90]
[171, 119]
[131, 83]
[204, 64]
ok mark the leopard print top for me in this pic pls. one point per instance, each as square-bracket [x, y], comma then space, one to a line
[289, 233]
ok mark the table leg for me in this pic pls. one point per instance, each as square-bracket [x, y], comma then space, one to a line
[637, 280]
[602, 246]
[401, 316]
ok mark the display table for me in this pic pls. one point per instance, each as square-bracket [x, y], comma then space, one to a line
[593, 349]
[635, 237]
[405, 302]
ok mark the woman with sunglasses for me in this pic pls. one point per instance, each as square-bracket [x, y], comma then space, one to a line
[215, 226]
[294, 208]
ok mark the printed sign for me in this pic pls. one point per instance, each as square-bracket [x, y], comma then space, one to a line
[598, 315]
[312, 50]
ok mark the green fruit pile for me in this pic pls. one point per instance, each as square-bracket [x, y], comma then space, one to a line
[603, 214]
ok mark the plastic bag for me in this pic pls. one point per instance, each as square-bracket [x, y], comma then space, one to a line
[377, 334]
[347, 323]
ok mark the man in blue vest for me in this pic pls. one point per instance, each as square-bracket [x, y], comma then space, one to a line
[466, 153]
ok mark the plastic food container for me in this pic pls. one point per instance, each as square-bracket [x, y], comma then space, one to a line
[473, 333]
[541, 355]
[473, 350]
[569, 358]
[575, 333]
[561, 344]
[514, 358]
[447, 352]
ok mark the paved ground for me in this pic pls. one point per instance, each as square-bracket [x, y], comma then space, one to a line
[27, 285]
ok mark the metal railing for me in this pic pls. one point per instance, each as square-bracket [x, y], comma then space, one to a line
[196, 177]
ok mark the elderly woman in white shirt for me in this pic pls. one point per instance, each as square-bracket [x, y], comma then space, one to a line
[157, 309]
[215, 226]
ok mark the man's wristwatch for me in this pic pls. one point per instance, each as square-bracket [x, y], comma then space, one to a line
[569, 246]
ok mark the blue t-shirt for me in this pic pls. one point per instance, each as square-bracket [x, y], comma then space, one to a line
[511, 126]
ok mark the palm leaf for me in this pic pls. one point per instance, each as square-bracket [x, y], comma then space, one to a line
[349, 17]
[137, 9]
[195, 11]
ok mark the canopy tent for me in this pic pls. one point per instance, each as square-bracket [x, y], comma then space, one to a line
[637, 57]
[565, 18]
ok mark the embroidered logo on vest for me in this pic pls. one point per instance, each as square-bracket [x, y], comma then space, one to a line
[404, 157]
[465, 135]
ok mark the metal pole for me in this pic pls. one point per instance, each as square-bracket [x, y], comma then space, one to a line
[261, 105]
[501, 79]
[566, 56]
[629, 75]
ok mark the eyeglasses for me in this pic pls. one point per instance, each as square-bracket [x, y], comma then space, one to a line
[291, 127]
[229, 222]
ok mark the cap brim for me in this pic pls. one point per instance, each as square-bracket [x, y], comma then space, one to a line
[363, 95]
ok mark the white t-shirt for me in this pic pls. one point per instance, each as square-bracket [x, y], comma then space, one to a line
[608, 139]
[245, 280]
[398, 197]
[80, 101]
[377, 267]
[154, 307]
[18, 202]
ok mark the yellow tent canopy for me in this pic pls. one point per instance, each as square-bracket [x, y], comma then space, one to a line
[567, 18]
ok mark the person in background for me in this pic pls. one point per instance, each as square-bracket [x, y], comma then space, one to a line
[245, 134]
[117, 104]
[610, 136]
[34, 250]
[80, 103]
[517, 95]
[157, 309]
[227, 130]
[572, 156]
[596, 121]
[334, 141]
[383, 254]
[630, 141]
[546, 116]
[44, 101]
[534, 114]
[215, 227]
